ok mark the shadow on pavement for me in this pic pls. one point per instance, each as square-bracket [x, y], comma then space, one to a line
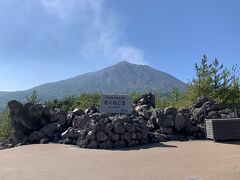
[233, 142]
[147, 146]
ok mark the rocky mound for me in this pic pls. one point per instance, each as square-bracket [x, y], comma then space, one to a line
[91, 129]
[114, 132]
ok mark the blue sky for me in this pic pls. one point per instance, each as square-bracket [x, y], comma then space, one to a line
[49, 40]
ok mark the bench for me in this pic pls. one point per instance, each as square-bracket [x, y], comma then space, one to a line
[223, 129]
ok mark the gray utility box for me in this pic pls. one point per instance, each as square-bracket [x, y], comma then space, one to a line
[223, 129]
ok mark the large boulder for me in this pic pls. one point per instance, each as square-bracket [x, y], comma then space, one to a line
[109, 127]
[34, 116]
[49, 129]
[59, 116]
[17, 137]
[165, 130]
[93, 144]
[35, 137]
[91, 110]
[127, 136]
[18, 117]
[91, 135]
[183, 123]
[147, 100]
[129, 127]
[29, 117]
[78, 112]
[199, 102]
[106, 145]
[81, 122]
[119, 128]
[114, 137]
[70, 133]
[120, 144]
[170, 111]
[101, 136]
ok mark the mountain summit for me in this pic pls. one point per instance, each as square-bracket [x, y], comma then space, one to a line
[123, 77]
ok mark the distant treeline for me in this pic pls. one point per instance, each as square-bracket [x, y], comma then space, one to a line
[85, 100]
[212, 80]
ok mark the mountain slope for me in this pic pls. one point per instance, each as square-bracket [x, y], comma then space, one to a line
[123, 77]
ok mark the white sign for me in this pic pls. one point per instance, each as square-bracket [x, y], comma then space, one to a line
[120, 104]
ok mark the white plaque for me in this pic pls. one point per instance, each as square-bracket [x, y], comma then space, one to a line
[120, 104]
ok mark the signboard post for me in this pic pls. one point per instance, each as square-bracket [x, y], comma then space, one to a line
[120, 104]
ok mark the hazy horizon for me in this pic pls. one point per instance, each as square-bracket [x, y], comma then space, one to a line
[46, 41]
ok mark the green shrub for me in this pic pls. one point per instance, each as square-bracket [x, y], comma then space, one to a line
[5, 125]
[33, 98]
[135, 96]
[216, 82]
[175, 98]
[69, 103]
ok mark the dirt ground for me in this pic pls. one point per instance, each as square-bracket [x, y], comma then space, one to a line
[193, 160]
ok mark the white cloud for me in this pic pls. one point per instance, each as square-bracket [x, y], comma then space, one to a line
[132, 54]
[60, 8]
[103, 30]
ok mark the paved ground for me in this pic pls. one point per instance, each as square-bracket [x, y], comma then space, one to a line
[195, 160]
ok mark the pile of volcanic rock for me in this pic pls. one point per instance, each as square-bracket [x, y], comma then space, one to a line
[173, 124]
[33, 124]
[205, 108]
[183, 124]
[118, 131]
